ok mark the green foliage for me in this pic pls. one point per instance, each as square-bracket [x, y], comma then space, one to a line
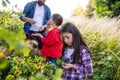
[10, 77]
[103, 8]
[105, 54]
[3, 43]
[104, 47]
[38, 76]
[103, 38]
[15, 43]
[26, 66]
[58, 74]
[117, 75]
[5, 3]
[32, 68]
[80, 11]
[77, 12]
[11, 33]
[8, 21]
[22, 66]
[116, 8]
[3, 64]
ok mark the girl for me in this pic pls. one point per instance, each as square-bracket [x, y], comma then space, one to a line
[77, 61]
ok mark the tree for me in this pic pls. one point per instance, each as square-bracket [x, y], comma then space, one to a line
[103, 8]
[79, 11]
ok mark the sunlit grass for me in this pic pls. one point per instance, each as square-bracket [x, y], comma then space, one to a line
[104, 25]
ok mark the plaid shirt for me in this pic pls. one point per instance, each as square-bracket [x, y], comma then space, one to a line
[84, 67]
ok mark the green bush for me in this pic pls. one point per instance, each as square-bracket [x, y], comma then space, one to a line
[106, 8]
[101, 35]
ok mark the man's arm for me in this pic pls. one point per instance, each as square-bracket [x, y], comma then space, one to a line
[26, 19]
[25, 11]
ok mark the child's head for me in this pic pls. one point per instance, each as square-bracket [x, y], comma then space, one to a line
[72, 38]
[56, 19]
[71, 35]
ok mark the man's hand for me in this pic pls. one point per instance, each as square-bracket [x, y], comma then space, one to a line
[31, 21]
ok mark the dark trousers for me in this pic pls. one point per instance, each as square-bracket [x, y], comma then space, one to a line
[54, 61]
[29, 36]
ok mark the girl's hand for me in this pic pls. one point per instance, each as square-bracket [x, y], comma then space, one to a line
[37, 34]
[68, 66]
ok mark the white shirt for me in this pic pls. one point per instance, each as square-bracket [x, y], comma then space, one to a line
[69, 52]
[38, 18]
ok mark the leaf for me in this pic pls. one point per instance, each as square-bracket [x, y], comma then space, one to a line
[4, 3]
[40, 76]
[17, 43]
[109, 57]
[8, 1]
[13, 70]
[10, 77]
[3, 64]
[21, 78]
[26, 51]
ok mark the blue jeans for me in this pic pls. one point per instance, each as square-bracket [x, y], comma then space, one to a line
[54, 61]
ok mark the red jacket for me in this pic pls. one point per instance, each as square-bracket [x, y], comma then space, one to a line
[52, 44]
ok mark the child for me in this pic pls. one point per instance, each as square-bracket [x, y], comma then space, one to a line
[52, 43]
[77, 61]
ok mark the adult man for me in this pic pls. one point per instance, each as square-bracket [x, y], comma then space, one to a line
[35, 15]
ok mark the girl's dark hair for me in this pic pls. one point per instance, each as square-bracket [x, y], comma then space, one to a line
[78, 42]
[57, 18]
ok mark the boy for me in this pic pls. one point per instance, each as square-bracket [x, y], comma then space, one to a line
[52, 43]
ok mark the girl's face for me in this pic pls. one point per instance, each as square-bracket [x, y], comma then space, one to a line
[68, 38]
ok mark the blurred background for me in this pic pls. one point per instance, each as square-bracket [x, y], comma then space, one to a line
[97, 20]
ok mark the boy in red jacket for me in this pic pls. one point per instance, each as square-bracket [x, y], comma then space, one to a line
[52, 43]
